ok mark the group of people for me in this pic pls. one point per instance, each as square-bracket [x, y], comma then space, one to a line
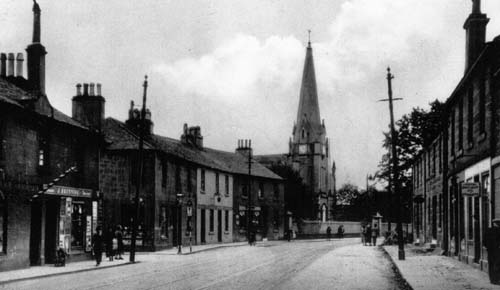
[111, 242]
[369, 235]
[340, 232]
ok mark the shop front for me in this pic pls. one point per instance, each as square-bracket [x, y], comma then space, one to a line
[69, 218]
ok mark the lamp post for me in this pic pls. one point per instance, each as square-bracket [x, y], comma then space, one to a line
[189, 210]
[179, 223]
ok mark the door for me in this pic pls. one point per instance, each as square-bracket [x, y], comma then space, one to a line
[36, 234]
[203, 225]
[219, 226]
[51, 228]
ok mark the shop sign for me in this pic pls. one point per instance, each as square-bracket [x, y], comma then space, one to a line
[470, 188]
[69, 191]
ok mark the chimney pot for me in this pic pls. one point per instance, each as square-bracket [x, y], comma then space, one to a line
[85, 89]
[3, 64]
[246, 143]
[249, 143]
[10, 68]
[98, 88]
[91, 92]
[19, 68]
[79, 89]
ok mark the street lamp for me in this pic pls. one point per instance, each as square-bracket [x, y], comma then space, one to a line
[179, 223]
[189, 210]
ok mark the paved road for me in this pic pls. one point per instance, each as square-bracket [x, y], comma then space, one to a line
[338, 264]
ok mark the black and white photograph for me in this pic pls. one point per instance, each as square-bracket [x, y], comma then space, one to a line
[250, 144]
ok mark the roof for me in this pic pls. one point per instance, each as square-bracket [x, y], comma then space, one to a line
[121, 138]
[272, 159]
[12, 94]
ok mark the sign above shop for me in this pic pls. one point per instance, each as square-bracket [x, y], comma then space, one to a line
[69, 191]
[470, 188]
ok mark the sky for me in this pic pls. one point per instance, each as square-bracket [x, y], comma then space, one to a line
[234, 67]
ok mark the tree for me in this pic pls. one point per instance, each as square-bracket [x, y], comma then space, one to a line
[347, 194]
[296, 198]
[414, 132]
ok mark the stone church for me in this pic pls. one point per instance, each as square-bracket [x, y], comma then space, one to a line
[309, 152]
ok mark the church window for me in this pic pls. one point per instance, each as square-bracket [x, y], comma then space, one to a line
[302, 149]
[303, 133]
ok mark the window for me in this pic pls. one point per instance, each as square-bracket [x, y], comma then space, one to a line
[302, 149]
[163, 222]
[227, 184]
[469, 218]
[211, 220]
[461, 124]
[482, 105]
[440, 157]
[216, 182]
[261, 190]
[42, 153]
[303, 133]
[276, 190]
[452, 133]
[226, 221]
[202, 180]
[189, 183]
[276, 219]
[244, 190]
[434, 159]
[470, 115]
[164, 175]
[3, 224]
[178, 186]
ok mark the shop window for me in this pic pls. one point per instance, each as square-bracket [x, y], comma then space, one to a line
[211, 220]
[227, 184]
[3, 224]
[202, 180]
[226, 221]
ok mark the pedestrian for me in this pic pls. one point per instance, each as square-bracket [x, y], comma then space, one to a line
[119, 240]
[368, 235]
[109, 238]
[328, 233]
[492, 243]
[363, 234]
[340, 231]
[374, 236]
[97, 240]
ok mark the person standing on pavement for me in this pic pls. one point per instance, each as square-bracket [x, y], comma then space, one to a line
[97, 245]
[328, 233]
[119, 239]
[492, 243]
[363, 234]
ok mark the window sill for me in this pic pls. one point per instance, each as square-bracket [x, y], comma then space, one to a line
[202, 191]
[211, 233]
[482, 137]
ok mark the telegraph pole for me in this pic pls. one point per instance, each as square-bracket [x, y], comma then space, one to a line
[139, 176]
[395, 179]
[249, 215]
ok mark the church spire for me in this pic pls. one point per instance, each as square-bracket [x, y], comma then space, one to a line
[308, 118]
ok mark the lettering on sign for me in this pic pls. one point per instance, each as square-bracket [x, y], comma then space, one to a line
[470, 188]
[69, 191]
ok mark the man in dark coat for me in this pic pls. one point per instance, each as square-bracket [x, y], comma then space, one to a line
[328, 233]
[97, 240]
[492, 243]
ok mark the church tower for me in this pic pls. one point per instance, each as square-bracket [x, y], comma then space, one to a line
[309, 148]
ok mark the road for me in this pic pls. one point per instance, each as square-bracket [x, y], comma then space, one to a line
[337, 264]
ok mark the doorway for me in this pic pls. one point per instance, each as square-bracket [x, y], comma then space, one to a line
[219, 226]
[203, 226]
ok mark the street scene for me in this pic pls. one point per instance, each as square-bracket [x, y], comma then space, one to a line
[285, 144]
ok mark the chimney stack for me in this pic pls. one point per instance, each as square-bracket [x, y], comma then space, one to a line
[475, 29]
[36, 55]
[10, 67]
[19, 68]
[79, 89]
[244, 147]
[91, 92]
[98, 87]
[3, 65]
[85, 89]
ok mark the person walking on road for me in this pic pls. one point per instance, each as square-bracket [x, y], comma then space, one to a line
[374, 236]
[119, 240]
[97, 240]
[492, 243]
[328, 233]
[368, 235]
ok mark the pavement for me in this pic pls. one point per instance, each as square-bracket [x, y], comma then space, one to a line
[434, 271]
[90, 265]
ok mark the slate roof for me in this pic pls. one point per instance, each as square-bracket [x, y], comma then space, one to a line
[13, 95]
[121, 138]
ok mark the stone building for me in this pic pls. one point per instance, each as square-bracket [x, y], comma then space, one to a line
[309, 151]
[48, 167]
[468, 150]
[188, 189]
